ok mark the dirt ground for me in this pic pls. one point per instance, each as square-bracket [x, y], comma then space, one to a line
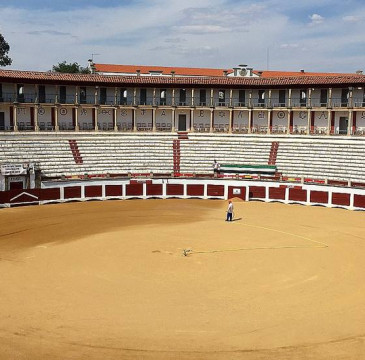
[108, 280]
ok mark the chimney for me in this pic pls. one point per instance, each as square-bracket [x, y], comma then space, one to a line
[138, 72]
[302, 71]
[225, 73]
[235, 71]
[172, 73]
[359, 72]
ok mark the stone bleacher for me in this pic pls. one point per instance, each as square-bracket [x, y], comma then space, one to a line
[298, 156]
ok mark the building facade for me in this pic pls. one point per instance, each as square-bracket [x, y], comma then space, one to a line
[238, 100]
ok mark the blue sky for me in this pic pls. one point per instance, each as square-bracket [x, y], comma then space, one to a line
[324, 35]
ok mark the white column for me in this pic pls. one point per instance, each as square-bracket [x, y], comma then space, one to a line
[115, 112]
[153, 119]
[349, 125]
[328, 122]
[56, 127]
[192, 97]
[96, 119]
[249, 120]
[192, 120]
[211, 120]
[173, 120]
[309, 120]
[230, 121]
[15, 117]
[77, 127]
[36, 125]
[135, 120]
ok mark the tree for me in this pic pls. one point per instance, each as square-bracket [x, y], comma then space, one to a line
[4, 49]
[71, 68]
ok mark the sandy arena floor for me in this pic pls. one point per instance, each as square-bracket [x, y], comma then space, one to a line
[107, 281]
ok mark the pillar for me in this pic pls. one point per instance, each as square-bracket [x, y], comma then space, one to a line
[211, 97]
[329, 122]
[329, 104]
[289, 97]
[115, 96]
[231, 97]
[153, 101]
[173, 120]
[15, 117]
[290, 126]
[96, 126]
[134, 120]
[211, 120]
[115, 126]
[173, 97]
[36, 123]
[269, 114]
[56, 127]
[76, 111]
[192, 120]
[349, 123]
[309, 121]
[230, 125]
[192, 97]
[134, 96]
[249, 120]
[154, 117]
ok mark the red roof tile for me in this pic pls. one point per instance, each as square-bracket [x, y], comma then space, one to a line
[166, 70]
[168, 81]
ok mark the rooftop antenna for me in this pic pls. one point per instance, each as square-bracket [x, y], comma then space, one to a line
[92, 56]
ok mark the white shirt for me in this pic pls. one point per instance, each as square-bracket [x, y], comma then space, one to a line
[230, 208]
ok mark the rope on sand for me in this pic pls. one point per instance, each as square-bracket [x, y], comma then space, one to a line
[318, 244]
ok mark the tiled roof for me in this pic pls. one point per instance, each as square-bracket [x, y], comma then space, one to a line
[273, 73]
[169, 81]
[185, 71]
[165, 70]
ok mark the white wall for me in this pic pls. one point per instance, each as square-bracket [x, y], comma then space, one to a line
[280, 117]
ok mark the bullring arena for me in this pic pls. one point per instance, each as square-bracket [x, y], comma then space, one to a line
[109, 280]
[113, 243]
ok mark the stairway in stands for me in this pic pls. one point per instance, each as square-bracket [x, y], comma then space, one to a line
[75, 152]
[273, 153]
[176, 155]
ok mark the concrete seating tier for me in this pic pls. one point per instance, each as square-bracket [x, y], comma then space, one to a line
[101, 153]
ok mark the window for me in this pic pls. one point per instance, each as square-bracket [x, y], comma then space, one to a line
[20, 93]
[41, 94]
[143, 96]
[83, 95]
[123, 96]
[102, 96]
[63, 94]
[303, 97]
[241, 97]
[162, 96]
[282, 97]
[182, 98]
[222, 98]
[261, 97]
[323, 97]
[202, 97]
[344, 97]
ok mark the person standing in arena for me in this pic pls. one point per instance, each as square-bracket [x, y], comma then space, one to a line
[229, 211]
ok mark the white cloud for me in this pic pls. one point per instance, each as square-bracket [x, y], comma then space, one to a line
[316, 19]
[351, 18]
[220, 33]
[201, 29]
